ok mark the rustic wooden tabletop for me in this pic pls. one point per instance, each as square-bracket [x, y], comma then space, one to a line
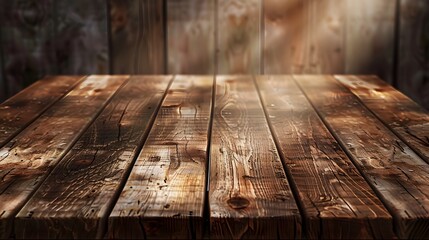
[306, 156]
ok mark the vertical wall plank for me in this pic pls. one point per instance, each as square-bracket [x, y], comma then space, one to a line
[370, 37]
[285, 23]
[304, 36]
[191, 36]
[413, 56]
[238, 36]
[27, 30]
[137, 36]
[326, 33]
[81, 36]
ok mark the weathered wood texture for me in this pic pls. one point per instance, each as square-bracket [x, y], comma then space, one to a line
[370, 37]
[22, 109]
[137, 36]
[304, 36]
[413, 55]
[238, 36]
[29, 157]
[395, 172]
[77, 197]
[164, 195]
[406, 118]
[27, 27]
[336, 200]
[249, 194]
[81, 37]
[191, 38]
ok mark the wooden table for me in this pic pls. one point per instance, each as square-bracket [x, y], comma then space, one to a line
[227, 157]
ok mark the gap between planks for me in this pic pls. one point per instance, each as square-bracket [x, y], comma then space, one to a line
[157, 198]
[351, 198]
[36, 106]
[127, 139]
[413, 130]
[22, 186]
[391, 182]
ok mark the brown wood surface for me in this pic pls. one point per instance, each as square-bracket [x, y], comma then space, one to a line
[405, 117]
[191, 38]
[76, 199]
[164, 195]
[326, 36]
[19, 111]
[26, 160]
[413, 54]
[238, 36]
[336, 200]
[370, 37]
[137, 36]
[304, 36]
[249, 193]
[397, 174]
[285, 36]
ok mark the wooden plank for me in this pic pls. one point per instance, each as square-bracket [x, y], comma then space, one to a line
[285, 33]
[403, 116]
[304, 36]
[370, 37]
[27, 33]
[336, 200]
[164, 195]
[29, 157]
[19, 111]
[191, 39]
[249, 193]
[413, 55]
[395, 172]
[77, 197]
[81, 36]
[238, 33]
[137, 36]
[326, 36]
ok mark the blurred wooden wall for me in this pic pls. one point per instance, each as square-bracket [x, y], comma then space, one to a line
[389, 38]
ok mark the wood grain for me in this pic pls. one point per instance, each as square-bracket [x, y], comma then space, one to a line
[326, 36]
[137, 36]
[238, 33]
[395, 172]
[29, 157]
[285, 33]
[329, 186]
[249, 193]
[81, 36]
[76, 199]
[413, 56]
[164, 195]
[19, 111]
[304, 36]
[191, 39]
[370, 37]
[405, 117]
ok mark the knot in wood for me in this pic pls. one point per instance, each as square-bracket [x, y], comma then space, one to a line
[238, 202]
